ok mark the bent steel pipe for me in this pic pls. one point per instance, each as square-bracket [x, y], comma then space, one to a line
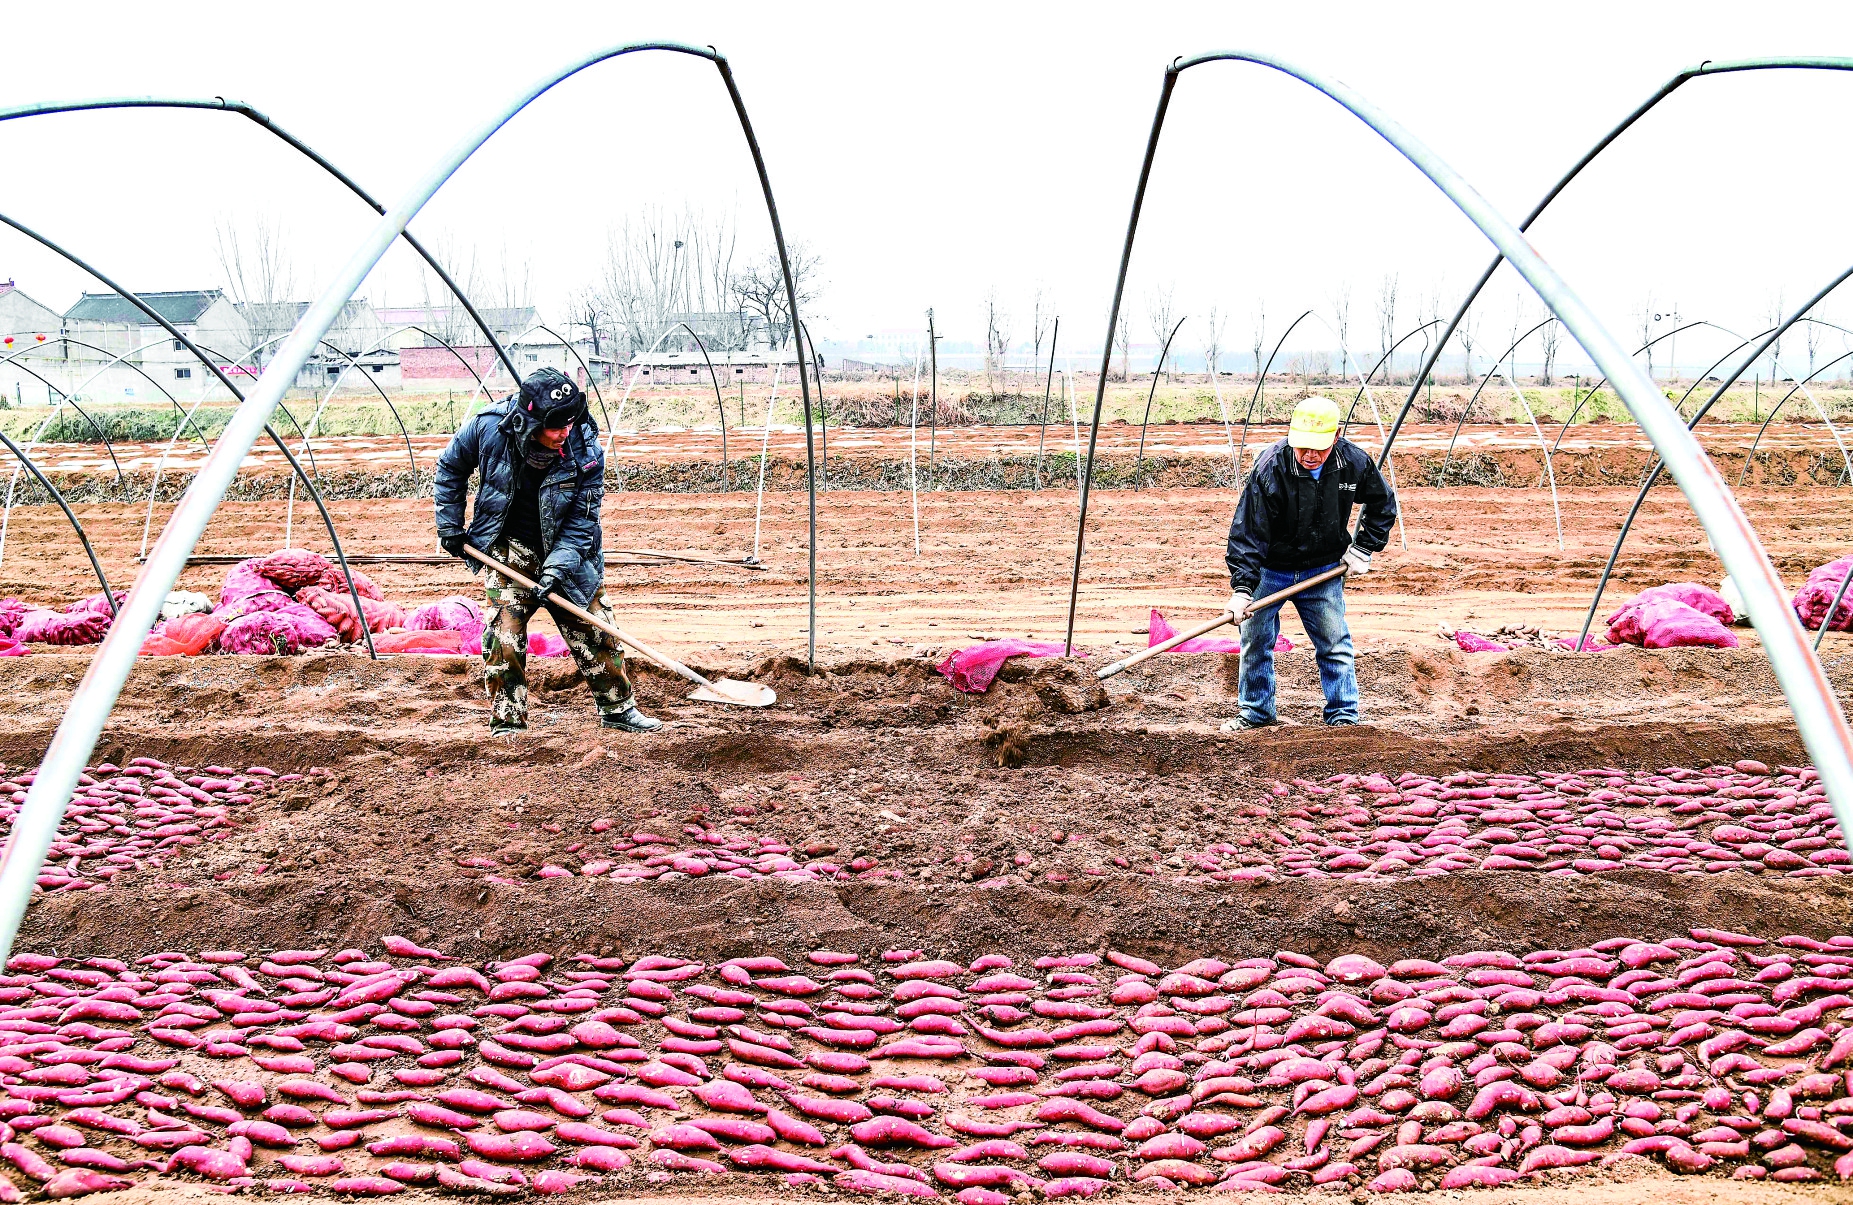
[1466, 410]
[7, 934]
[96, 566]
[1157, 371]
[1261, 376]
[1708, 67]
[264, 122]
[95, 697]
[1817, 713]
[1653, 475]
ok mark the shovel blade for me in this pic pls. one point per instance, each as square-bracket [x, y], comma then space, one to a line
[739, 694]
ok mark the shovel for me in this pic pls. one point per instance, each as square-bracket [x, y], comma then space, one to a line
[726, 690]
[1125, 663]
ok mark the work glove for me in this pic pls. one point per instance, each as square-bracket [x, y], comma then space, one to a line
[454, 544]
[1356, 561]
[1238, 602]
[546, 583]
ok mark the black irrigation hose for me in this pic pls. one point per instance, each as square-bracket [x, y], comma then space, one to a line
[57, 497]
[213, 367]
[1157, 371]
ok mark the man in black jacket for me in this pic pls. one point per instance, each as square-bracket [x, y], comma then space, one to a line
[1293, 523]
[542, 482]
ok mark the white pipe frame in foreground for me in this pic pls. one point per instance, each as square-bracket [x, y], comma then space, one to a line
[95, 697]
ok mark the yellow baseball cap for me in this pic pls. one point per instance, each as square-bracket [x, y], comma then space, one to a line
[1315, 424]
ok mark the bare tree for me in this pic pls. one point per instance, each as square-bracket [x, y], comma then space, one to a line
[1158, 306]
[1386, 322]
[1041, 314]
[1212, 343]
[760, 287]
[1259, 333]
[585, 307]
[1776, 316]
[1124, 338]
[1812, 334]
[996, 339]
[1644, 323]
[260, 277]
[1552, 339]
[1341, 317]
[1467, 332]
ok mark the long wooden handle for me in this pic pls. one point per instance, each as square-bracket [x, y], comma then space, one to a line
[1126, 663]
[668, 663]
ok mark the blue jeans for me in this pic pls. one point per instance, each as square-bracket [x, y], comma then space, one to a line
[1322, 613]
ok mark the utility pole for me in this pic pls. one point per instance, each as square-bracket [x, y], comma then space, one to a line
[933, 436]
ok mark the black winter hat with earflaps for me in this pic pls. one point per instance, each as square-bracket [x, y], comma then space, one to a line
[551, 399]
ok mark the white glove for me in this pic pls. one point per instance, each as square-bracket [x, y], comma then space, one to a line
[1238, 602]
[1356, 561]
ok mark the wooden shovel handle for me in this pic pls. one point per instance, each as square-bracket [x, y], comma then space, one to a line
[1126, 663]
[668, 663]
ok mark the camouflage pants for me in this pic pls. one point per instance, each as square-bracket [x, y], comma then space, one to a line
[505, 642]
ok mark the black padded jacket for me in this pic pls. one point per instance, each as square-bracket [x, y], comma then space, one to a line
[1287, 521]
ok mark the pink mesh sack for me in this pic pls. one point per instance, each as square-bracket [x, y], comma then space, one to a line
[294, 568]
[58, 627]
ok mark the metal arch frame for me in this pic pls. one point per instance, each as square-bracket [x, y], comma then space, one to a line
[823, 411]
[94, 699]
[1823, 728]
[1768, 339]
[1679, 406]
[611, 436]
[165, 392]
[8, 928]
[1801, 386]
[353, 362]
[1157, 371]
[720, 404]
[1381, 361]
[1708, 67]
[70, 396]
[1473, 401]
[461, 358]
[83, 538]
[765, 447]
[1550, 470]
[219, 103]
[1048, 386]
[186, 420]
[1261, 376]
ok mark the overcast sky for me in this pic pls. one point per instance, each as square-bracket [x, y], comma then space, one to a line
[932, 152]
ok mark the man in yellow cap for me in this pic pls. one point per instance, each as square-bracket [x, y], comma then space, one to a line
[1292, 523]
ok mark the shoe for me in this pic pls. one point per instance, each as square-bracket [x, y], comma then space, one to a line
[1243, 724]
[1341, 723]
[496, 730]
[629, 719]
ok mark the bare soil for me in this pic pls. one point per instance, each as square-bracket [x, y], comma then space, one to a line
[876, 758]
